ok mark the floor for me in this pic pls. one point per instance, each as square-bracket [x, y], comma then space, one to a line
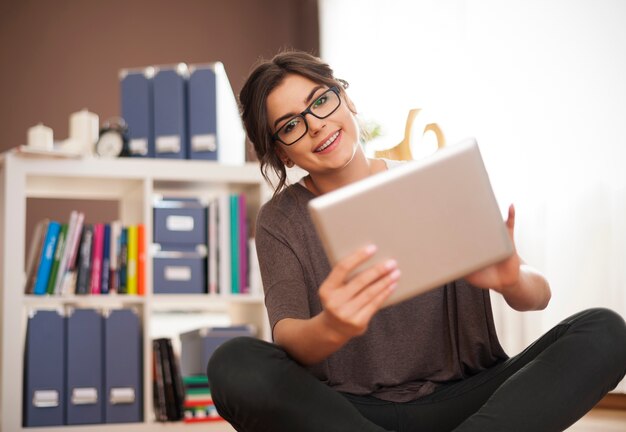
[601, 421]
[596, 421]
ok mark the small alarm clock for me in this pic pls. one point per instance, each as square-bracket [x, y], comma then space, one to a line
[113, 139]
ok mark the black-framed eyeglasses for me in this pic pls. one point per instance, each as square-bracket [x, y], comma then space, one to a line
[297, 126]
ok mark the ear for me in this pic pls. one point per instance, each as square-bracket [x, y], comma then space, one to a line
[282, 154]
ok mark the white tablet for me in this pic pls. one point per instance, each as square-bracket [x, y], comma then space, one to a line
[438, 217]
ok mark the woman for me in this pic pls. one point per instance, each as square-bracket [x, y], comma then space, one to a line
[339, 361]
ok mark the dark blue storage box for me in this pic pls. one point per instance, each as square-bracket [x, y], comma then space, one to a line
[179, 222]
[179, 272]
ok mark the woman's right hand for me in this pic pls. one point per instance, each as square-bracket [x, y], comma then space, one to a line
[349, 303]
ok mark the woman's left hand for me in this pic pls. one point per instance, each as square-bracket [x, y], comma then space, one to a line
[504, 273]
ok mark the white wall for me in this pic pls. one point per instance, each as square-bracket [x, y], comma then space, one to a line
[542, 85]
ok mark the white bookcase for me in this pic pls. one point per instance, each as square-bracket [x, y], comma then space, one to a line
[132, 183]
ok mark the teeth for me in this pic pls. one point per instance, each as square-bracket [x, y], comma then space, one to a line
[327, 143]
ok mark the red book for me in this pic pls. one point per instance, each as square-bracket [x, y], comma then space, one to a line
[199, 402]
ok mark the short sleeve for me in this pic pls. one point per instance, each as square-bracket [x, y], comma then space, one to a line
[281, 270]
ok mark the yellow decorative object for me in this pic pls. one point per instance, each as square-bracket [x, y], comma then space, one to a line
[402, 151]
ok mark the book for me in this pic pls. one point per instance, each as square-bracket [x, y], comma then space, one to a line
[158, 383]
[62, 268]
[243, 245]
[83, 266]
[167, 381]
[173, 402]
[105, 276]
[199, 405]
[141, 259]
[116, 230]
[254, 273]
[34, 254]
[179, 389]
[122, 261]
[96, 258]
[131, 275]
[234, 244]
[69, 275]
[196, 380]
[61, 240]
[223, 253]
[212, 268]
[47, 255]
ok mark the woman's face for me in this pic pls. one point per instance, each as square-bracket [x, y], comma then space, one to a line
[329, 143]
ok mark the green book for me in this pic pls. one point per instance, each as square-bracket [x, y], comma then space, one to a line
[58, 253]
[234, 243]
[198, 391]
[195, 379]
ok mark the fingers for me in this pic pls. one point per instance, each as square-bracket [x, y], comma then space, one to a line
[510, 222]
[347, 265]
[353, 307]
[371, 275]
[370, 298]
[368, 310]
[364, 279]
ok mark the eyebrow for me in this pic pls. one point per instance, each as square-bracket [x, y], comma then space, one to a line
[306, 101]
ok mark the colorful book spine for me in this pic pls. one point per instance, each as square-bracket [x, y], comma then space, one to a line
[67, 249]
[83, 273]
[224, 256]
[68, 281]
[81, 258]
[199, 406]
[116, 229]
[234, 243]
[123, 261]
[34, 255]
[47, 256]
[141, 259]
[212, 268]
[96, 258]
[60, 246]
[131, 281]
[105, 277]
[243, 246]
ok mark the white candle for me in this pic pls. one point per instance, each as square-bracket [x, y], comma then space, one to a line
[84, 128]
[40, 137]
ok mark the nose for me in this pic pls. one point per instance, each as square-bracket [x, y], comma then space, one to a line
[315, 124]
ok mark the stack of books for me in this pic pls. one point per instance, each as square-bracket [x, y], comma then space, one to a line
[81, 258]
[199, 406]
[228, 245]
[168, 388]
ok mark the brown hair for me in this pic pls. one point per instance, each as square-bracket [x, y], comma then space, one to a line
[264, 78]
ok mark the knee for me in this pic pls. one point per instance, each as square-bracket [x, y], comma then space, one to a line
[608, 336]
[229, 360]
[240, 368]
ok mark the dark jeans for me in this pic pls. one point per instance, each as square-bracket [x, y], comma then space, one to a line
[256, 386]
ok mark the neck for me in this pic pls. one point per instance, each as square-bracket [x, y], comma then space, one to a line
[357, 169]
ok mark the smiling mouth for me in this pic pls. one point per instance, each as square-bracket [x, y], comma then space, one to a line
[328, 142]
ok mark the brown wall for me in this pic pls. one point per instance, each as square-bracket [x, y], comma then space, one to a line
[60, 56]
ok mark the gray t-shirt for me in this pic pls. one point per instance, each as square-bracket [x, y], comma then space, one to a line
[408, 350]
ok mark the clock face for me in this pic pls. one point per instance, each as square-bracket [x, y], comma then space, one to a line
[110, 144]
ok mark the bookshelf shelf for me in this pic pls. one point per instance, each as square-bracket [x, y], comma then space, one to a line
[199, 302]
[89, 301]
[210, 426]
[133, 184]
